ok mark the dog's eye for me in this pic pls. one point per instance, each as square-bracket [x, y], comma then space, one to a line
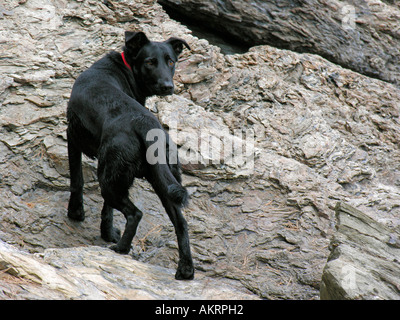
[171, 62]
[150, 62]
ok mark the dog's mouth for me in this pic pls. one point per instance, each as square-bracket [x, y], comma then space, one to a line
[161, 88]
[164, 90]
[165, 93]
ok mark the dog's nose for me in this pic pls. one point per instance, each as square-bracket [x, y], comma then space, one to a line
[167, 87]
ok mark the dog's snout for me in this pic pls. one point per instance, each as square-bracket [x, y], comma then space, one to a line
[167, 87]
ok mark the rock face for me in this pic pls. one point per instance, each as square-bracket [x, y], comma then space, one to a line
[271, 140]
[362, 35]
[365, 259]
[97, 273]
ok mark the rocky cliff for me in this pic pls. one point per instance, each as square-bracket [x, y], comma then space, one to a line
[310, 134]
[364, 260]
[362, 35]
[96, 273]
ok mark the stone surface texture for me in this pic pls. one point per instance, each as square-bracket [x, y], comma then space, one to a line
[365, 259]
[313, 133]
[362, 35]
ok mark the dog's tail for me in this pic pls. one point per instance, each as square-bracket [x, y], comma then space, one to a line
[165, 183]
[178, 194]
[162, 178]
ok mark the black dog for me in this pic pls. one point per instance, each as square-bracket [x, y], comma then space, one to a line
[107, 120]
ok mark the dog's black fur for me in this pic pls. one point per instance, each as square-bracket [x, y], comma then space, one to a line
[107, 120]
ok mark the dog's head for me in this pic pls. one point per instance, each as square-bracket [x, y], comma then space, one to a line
[153, 63]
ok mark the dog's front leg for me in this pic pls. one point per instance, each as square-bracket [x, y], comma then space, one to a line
[75, 205]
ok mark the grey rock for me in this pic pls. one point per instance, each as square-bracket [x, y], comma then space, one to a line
[358, 34]
[364, 259]
[322, 134]
[93, 273]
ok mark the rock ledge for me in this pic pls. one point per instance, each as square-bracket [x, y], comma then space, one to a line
[365, 259]
[87, 273]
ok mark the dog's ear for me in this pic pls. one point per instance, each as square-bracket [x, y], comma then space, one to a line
[134, 41]
[177, 45]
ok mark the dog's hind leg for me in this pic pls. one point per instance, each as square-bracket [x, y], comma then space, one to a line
[108, 232]
[132, 215]
[185, 269]
[115, 179]
[75, 205]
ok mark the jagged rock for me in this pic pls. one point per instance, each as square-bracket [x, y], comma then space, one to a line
[360, 35]
[97, 273]
[365, 259]
[321, 134]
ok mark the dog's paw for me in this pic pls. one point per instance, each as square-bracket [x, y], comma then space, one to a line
[185, 273]
[111, 236]
[120, 250]
[77, 215]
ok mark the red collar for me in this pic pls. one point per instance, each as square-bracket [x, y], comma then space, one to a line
[125, 62]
